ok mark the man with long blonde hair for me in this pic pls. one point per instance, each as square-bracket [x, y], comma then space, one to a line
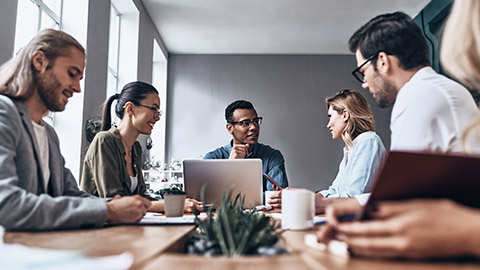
[37, 192]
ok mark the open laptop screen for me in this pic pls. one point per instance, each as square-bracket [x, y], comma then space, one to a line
[221, 175]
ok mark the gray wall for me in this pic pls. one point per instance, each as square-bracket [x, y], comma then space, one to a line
[287, 90]
[147, 33]
[8, 19]
[97, 64]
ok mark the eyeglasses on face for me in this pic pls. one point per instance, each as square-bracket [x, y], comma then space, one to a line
[359, 75]
[156, 111]
[246, 123]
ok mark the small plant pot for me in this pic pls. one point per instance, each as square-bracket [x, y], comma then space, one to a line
[174, 205]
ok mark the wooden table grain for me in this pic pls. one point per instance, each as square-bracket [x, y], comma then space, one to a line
[159, 247]
[144, 242]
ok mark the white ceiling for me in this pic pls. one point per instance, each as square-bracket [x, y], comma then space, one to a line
[266, 26]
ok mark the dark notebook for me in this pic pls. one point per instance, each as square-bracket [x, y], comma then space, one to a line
[408, 175]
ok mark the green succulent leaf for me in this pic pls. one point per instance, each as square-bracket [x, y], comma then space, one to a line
[235, 230]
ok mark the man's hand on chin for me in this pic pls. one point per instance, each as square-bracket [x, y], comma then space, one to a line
[239, 151]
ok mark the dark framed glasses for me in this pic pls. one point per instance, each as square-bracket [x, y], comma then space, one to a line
[246, 123]
[156, 111]
[359, 75]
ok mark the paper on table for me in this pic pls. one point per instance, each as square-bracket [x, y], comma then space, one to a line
[319, 220]
[15, 256]
[152, 218]
[334, 246]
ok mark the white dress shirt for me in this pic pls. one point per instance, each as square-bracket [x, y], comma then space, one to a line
[431, 113]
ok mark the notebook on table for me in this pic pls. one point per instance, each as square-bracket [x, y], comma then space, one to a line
[221, 175]
[158, 219]
[409, 175]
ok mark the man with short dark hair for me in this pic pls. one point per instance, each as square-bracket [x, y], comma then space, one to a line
[243, 124]
[37, 192]
[429, 111]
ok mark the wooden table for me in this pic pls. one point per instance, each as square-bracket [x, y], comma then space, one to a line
[158, 247]
[144, 242]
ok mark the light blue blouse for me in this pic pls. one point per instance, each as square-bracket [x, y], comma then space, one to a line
[358, 167]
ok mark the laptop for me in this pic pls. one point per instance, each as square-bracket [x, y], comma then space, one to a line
[408, 175]
[221, 175]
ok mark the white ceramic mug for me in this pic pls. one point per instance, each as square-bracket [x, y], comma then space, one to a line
[268, 194]
[298, 209]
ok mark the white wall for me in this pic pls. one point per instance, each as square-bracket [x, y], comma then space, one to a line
[287, 90]
[159, 80]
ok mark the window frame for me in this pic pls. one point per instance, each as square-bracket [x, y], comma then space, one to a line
[110, 69]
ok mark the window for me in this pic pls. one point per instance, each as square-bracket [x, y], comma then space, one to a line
[113, 51]
[159, 80]
[122, 48]
[35, 15]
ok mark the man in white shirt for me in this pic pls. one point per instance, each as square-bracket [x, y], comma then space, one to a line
[429, 111]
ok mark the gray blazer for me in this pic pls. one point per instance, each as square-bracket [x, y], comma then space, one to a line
[24, 204]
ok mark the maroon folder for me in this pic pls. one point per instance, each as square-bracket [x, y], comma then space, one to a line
[409, 175]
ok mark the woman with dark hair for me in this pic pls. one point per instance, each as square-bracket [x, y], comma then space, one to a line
[113, 164]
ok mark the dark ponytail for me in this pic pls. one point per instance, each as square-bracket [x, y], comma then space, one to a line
[134, 92]
[106, 118]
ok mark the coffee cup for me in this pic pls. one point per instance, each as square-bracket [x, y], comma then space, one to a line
[268, 194]
[298, 209]
[174, 203]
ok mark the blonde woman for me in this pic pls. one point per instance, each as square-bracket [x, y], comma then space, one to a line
[462, 59]
[351, 121]
[420, 229]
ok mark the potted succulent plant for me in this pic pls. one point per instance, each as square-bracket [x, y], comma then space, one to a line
[234, 231]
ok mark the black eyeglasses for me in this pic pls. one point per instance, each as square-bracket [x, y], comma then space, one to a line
[246, 123]
[156, 112]
[359, 75]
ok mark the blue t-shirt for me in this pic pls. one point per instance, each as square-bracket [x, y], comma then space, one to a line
[273, 163]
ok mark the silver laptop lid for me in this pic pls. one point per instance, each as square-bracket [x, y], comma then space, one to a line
[221, 175]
